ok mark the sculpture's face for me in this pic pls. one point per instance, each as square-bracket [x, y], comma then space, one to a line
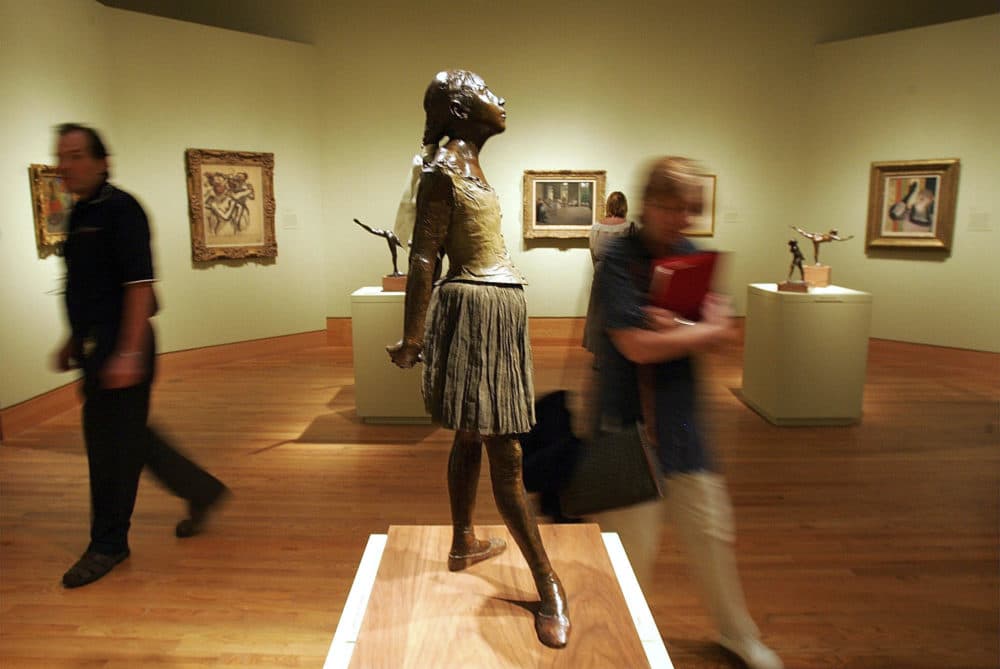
[484, 106]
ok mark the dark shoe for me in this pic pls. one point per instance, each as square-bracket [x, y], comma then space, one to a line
[488, 549]
[198, 515]
[90, 567]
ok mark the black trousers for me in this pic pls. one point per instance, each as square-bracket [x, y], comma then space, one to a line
[119, 444]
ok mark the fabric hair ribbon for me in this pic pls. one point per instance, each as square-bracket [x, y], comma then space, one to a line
[406, 214]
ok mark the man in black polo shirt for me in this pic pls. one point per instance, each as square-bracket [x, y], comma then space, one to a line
[109, 301]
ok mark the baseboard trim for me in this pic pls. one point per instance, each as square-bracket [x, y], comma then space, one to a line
[544, 331]
[38, 409]
[179, 361]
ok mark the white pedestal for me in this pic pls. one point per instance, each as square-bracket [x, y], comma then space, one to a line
[805, 354]
[383, 392]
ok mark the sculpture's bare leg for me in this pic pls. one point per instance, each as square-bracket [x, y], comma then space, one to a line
[463, 478]
[552, 618]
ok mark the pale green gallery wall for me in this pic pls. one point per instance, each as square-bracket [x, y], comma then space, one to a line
[927, 93]
[788, 126]
[190, 86]
[157, 87]
[44, 80]
[592, 87]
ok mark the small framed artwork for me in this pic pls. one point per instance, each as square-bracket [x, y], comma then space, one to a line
[51, 203]
[911, 204]
[703, 224]
[562, 204]
[231, 204]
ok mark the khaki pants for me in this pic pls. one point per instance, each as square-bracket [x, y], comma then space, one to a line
[698, 505]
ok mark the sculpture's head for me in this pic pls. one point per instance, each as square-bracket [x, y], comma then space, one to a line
[670, 197]
[459, 105]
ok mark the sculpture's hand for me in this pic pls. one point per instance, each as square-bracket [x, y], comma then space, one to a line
[405, 354]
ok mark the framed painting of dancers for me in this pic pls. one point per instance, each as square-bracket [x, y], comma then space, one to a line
[562, 204]
[231, 204]
[911, 204]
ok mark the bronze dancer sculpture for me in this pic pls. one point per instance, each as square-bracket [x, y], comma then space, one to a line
[477, 378]
[818, 238]
[391, 239]
[797, 258]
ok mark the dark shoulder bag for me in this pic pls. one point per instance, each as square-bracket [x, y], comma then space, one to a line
[615, 466]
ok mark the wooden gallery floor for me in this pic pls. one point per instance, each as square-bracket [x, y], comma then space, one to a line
[872, 547]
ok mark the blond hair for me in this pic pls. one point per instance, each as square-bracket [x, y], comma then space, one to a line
[671, 177]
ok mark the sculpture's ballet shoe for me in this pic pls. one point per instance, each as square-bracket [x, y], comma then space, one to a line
[552, 630]
[486, 550]
[552, 621]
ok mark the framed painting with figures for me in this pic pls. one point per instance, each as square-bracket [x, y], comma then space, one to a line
[702, 222]
[51, 203]
[231, 204]
[911, 204]
[563, 203]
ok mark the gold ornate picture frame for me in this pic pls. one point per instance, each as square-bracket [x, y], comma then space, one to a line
[703, 224]
[51, 204]
[911, 204]
[231, 204]
[562, 204]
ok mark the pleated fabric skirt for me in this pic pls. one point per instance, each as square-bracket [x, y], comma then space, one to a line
[477, 359]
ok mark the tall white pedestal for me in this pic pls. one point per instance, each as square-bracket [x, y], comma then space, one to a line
[805, 354]
[384, 393]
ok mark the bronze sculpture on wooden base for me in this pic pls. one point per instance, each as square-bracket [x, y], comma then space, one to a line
[795, 286]
[818, 274]
[477, 377]
[397, 280]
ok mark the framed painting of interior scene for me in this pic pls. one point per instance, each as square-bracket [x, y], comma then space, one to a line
[231, 204]
[911, 204]
[702, 224]
[51, 203]
[562, 204]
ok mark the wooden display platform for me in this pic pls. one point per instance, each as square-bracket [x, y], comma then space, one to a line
[817, 275]
[421, 615]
